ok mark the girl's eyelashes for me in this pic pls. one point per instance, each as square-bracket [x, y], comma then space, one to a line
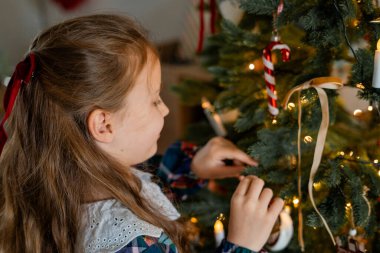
[157, 102]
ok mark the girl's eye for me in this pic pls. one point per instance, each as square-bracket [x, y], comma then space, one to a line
[157, 102]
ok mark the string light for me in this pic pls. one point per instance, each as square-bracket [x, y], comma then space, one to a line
[296, 201]
[378, 173]
[341, 153]
[274, 121]
[308, 139]
[251, 66]
[291, 106]
[193, 220]
[317, 186]
[348, 205]
[351, 153]
[375, 161]
[360, 86]
[370, 108]
[357, 112]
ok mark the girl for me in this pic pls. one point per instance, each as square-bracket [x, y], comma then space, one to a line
[84, 108]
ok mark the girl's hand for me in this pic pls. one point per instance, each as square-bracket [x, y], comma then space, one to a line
[253, 213]
[208, 163]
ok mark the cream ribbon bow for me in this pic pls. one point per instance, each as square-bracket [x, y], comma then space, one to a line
[319, 84]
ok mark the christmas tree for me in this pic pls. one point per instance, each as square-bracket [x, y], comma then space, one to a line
[286, 136]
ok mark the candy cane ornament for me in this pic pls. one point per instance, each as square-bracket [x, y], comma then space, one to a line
[270, 81]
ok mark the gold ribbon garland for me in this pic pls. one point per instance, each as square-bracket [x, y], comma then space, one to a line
[319, 84]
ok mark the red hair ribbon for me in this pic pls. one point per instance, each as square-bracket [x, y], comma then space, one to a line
[22, 75]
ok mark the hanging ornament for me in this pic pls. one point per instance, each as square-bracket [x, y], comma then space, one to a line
[354, 242]
[230, 10]
[280, 239]
[201, 36]
[275, 44]
[69, 4]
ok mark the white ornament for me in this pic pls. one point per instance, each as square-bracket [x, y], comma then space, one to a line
[229, 9]
[286, 233]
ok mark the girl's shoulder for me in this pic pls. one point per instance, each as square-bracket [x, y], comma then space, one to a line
[108, 225]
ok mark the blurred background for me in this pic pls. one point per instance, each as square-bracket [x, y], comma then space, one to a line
[172, 25]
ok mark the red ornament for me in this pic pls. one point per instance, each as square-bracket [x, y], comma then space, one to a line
[213, 13]
[269, 71]
[69, 4]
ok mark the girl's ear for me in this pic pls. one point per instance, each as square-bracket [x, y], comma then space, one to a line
[100, 126]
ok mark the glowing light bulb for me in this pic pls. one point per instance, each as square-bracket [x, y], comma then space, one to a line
[375, 161]
[360, 86]
[341, 153]
[274, 121]
[357, 112]
[218, 232]
[317, 186]
[193, 220]
[308, 139]
[251, 66]
[351, 153]
[370, 108]
[296, 201]
[291, 106]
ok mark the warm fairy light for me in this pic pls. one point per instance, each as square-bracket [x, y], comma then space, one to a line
[296, 201]
[348, 205]
[355, 23]
[375, 161]
[194, 220]
[357, 112]
[308, 139]
[291, 106]
[351, 153]
[370, 108]
[342, 166]
[206, 104]
[358, 157]
[274, 121]
[251, 66]
[218, 226]
[218, 232]
[341, 153]
[360, 86]
[287, 209]
[317, 186]
[304, 100]
[378, 173]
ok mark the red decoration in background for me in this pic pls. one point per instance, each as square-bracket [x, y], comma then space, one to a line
[212, 5]
[69, 4]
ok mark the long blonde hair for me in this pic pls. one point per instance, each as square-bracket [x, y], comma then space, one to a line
[50, 161]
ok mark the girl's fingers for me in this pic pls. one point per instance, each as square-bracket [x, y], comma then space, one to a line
[255, 188]
[243, 186]
[265, 197]
[276, 206]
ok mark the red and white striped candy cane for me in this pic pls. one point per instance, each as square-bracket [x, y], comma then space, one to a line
[269, 72]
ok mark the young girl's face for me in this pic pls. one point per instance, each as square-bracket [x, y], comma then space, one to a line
[138, 124]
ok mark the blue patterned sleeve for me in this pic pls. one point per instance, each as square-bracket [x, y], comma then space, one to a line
[147, 244]
[174, 169]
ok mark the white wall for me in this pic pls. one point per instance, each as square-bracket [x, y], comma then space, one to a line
[21, 20]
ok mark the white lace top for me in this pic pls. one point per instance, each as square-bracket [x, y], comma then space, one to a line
[108, 226]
